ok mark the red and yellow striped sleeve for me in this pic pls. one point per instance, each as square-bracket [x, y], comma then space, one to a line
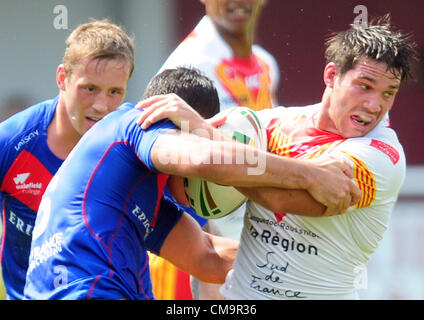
[365, 181]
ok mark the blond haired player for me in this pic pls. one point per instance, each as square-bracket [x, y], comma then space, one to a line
[92, 81]
[287, 252]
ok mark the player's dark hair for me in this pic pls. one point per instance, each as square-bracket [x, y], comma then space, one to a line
[378, 41]
[189, 84]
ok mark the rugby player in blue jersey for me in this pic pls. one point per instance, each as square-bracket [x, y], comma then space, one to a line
[92, 81]
[105, 207]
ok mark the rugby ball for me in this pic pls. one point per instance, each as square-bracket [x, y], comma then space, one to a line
[210, 200]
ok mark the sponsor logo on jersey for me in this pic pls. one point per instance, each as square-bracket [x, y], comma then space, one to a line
[49, 248]
[20, 224]
[142, 217]
[287, 227]
[21, 178]
[31, 187]
[277, 240]
[26, 139]
[26, 180]
[391, 152]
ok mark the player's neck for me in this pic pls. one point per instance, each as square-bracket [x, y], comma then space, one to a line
[61, 136]
[241, 50]
[321, 119]
[241, 45]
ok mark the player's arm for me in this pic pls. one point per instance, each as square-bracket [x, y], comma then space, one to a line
[200, 154]
[298, 202]
[338, 193]
[207, 257]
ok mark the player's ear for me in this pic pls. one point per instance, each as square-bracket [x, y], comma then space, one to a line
[61, 77]
[176, 187]
[330, 74]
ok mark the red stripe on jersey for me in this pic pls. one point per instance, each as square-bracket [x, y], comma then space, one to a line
[272, 122]
[182, 286]
[84, 200]
[90, 292]
[107, 247]
[219, 122]
[365, 181]
[161, 183]
[291, 138]
[26, 180]
[279, 216]
[118, 226]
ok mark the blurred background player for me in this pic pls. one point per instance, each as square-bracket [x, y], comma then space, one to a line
[286, 252]
[92, 81]
[222, 46]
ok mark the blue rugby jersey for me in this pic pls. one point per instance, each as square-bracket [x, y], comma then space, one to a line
[101, 212]
[26, 167]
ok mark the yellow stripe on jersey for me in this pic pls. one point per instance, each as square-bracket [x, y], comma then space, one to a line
[272, 140]
[237, 87]
[323, 149]
[284, 145]
[279, 143]
[164, 277]
[264, 96]
[365, 181]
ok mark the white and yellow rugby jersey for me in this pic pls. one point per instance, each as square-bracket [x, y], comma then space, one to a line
[287, 256]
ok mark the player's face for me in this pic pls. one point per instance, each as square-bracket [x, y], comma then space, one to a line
[361, 97]
[95, 88]
[233, 16]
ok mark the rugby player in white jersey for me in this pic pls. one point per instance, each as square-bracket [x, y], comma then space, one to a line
[291, 246]
[289, 249]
